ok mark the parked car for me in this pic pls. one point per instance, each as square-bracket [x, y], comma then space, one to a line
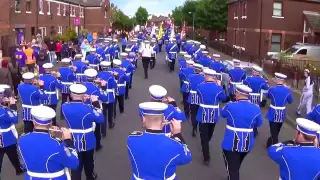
[312, 50]
[248, 67]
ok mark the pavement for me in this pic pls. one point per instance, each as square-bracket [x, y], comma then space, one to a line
[112, 161]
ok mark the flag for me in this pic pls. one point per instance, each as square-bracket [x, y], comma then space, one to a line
[183, 31]
[172, 31]
[160, 32]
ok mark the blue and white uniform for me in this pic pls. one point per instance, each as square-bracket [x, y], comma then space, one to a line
[93, 59]
[237, 76]
[67, 77]
[80, 68]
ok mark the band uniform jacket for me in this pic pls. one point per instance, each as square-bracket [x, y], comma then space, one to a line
[130, 68]
[81, 67]
[110, 87]
[237, 76]
[183, 75]
[8, 133]
[210, 95]
[256, 83]
[93, 61]
[94, 90]
[121, 80]
[242, 116]
[217, 66]
[172, 50]
[279, 96]
[297, 161]
[50, 87]
[67, 78]
[45, 157]
[182, 63]
[81, 119]
[194, 81]
[205, 61]
[30, 96]
[156, 156]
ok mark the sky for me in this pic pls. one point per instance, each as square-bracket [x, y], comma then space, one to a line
[156, 7]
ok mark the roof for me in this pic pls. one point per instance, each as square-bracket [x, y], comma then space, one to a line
[87, 3]
[313, 19]
[158, 18]
[315, 1]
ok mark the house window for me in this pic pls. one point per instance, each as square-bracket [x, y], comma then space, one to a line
[105, 14]
[40, 6]
[243, 40]
[28, 6]
[244, 10]
[277, 9]
[64, 10]
[17, 6]
[73, 11]
[43, 31]
[305, 27]
[58, 10]
[275, 43]
[49, 8]
[60, 30]
[81, 12]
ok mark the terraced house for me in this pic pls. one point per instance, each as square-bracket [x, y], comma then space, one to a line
[262, 27]
[25, 18]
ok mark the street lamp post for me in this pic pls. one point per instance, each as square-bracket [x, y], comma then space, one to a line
[192, 24]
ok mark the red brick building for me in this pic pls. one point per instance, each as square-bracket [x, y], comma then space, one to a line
[28, 17]
[262, 27]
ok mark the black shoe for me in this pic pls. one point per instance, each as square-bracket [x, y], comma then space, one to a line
[145, 77]
[103, 135]
[95, 175]
[20, 171]
[98, 148]
[111, 126]
[126, 98]
[121, 112]
[206, 162]
[194, 133]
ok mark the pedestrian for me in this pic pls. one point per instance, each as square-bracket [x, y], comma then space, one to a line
[58, 51]
[242, 116]
[42, 58]
[31, 58]
[144, 149]
[146, 51]
[64, 50]
[5, 75]
[307, 93]
[71, 51]
[83, 129]
[52, 48]
[123, 43]
[16, 74]
[297, 158]
[48, 149]
[20, 57]
[210, 94]
[280, 96]
[8, 119]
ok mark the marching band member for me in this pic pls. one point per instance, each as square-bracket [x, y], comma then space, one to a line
[109, 90]
[172, 50]
[100, 52]
[31, 96]
[298, 158]
[160, 42]
[279, 96]
[205, 59]
[129, 68]
[67, 78]
[187, 46]
[210, 94]
[152, 150]
[93, 59]
[133, 59]
[50, 86]
[242, 116]
[80, 67]
[94, 90]
[194, 47]
[107, 51]
[81, 119]
[115, 50]
[178, 38]
[193, 99]
[307, 93]
[216, 64]
[182, 60]
[153, 54]
[183, 75]
[237, 75]
[198, 53]
[8, 138]
[146, 52]
[44, 156]
[121, 79]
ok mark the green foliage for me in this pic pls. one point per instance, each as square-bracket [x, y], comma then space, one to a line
[62, 37]
[120, 20]
[71, 34]
[84, 31]
[141, 15]
[208, 14]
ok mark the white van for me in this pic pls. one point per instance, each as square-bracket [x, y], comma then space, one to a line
[301, 49]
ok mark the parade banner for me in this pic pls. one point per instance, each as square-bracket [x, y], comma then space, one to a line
[183, 31]
[160, 32]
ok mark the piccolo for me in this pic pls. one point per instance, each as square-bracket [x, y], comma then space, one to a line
[55, 130]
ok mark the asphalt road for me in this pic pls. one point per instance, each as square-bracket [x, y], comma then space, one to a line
[112, 161]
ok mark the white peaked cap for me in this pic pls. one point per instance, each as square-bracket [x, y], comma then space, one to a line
[243, 89]
[153, 108]
[78, 89]
[209, 72]
[115, 40]
[42, 114]
[205, 52]
[183, 52]
[157, 92]
[66, 60]
[123, 54]
[216, 55]
[257, 68]
[117, 62]
[105, 63]
[190, 62]
[28, 75]
[93, 49]
[5, 86]
[198, 66]
[47, 65]
[2, 90]
[307, 127]
[187, 56]
[78, 55]
[236, 61]
[202, 46]
[280, 75]
[91, 73]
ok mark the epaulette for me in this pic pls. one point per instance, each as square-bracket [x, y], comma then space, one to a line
[24, 134]
[177, 139]
[136, 133]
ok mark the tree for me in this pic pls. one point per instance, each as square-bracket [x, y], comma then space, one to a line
[177, 15]
[141, 15]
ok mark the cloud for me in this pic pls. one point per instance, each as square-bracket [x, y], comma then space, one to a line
[156, 7]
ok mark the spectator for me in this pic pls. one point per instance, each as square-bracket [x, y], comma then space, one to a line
[124, 43]
[16, 75]
[52, 47]
[30, 62]
[5, 76]
[58, 52]
[64, 50]
[71, 51]
[42, 58]
[90, 38]
[20, 57]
